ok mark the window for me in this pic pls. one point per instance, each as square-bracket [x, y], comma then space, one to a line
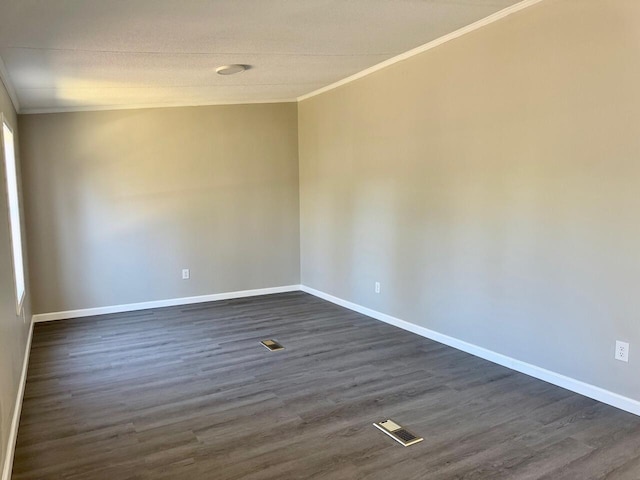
[14, 212]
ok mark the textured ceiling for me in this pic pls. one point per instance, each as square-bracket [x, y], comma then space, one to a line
[86, 54]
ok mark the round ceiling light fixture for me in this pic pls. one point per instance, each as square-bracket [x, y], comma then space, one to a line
[231, 69]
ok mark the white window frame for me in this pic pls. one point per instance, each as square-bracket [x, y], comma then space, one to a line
[13, 213]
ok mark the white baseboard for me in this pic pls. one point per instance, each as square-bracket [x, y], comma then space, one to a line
[577, 386]
[17, 410]
[586, 389]
[132, 307]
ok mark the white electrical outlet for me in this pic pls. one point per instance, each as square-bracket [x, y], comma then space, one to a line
[186, 274]
[622, 351]
[377, 287]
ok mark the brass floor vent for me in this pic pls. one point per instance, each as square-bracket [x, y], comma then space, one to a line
[272, 345]
[398, 433]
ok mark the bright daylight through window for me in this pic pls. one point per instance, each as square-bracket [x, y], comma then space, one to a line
[14, 212]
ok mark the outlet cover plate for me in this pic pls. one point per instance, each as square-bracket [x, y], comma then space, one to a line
[622, 351]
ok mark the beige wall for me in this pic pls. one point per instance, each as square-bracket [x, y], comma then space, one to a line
[492, 185]
[119, 202]
[13, 329]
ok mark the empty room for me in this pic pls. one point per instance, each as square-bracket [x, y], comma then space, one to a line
[319, 239]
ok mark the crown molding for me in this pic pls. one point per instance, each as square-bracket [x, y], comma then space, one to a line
[8, 85]
[4, 74]
[133, 106]
[427, 46]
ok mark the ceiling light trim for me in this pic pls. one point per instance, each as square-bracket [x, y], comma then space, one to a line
[232, 69]
[103, 108]
[423, 48]
[5, 78]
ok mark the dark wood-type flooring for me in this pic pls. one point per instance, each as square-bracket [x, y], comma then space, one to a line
[189, 393]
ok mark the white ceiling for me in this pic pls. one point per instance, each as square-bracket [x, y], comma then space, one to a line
[100, 54]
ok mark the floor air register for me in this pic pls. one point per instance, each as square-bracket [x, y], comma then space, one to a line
[398, 433]
[272, 345]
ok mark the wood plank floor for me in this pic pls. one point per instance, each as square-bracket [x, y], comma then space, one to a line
[188, 393]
